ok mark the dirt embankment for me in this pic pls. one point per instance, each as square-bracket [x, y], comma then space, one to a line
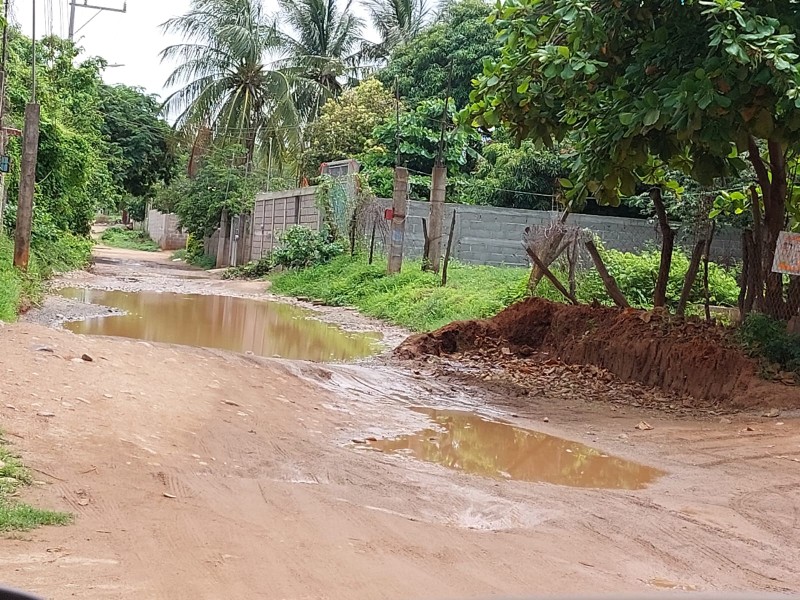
[684, 357]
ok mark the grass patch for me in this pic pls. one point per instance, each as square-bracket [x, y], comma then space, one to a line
[17, 516]
[19, 291]
[413, 299]
[198, 260]
[130, 239]
[416, 300]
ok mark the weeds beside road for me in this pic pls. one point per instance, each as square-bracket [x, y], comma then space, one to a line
[130, 239]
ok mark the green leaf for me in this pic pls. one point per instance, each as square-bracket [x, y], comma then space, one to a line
[651, 117]
[626, 118]
[565, 183]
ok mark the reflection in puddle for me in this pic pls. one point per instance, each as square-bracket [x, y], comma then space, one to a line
[238, 324]
[470, 443]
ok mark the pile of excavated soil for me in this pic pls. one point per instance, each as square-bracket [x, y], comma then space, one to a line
[684, 357]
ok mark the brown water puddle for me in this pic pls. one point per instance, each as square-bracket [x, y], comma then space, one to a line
[467, 442]
[238, 324]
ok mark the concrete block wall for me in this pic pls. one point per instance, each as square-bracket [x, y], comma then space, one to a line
[164, 229]
[483, 234]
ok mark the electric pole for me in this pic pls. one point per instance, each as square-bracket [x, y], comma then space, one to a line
[73, 5]
[27, 178]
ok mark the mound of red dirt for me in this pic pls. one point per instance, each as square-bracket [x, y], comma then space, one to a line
[681, 356]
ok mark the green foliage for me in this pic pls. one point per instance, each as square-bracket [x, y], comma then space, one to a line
[686, 85]
[221, 184]
[397, 22]
[636, 275]
[132, 239]
[301, 247]
[345, 124]
[18, 290]
[255, 269]
[514, 177]
[138, 139]
[420, 131]
[460, 36]
[15, 516]
[413, 299]
[768, 339]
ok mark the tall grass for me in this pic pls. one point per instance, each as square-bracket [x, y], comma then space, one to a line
[416, 300]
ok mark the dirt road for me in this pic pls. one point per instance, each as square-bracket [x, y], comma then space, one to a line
[202, 474]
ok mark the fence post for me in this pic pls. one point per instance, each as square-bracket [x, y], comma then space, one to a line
[399, 209]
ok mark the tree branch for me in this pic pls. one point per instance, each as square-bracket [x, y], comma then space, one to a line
[759, 166]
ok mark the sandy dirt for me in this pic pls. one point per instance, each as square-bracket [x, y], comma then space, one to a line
[200, 474]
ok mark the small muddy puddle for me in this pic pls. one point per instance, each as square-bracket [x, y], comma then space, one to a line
[238, 324]
[467, 442]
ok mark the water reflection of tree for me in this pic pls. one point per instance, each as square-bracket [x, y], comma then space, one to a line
[469, 443]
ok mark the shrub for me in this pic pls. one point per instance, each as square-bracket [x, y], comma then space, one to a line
[253, 270]
[131, 239]
[768, 339]
[300, 248]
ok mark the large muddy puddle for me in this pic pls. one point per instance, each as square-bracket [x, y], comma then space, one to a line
[238, 324]
[470, 443]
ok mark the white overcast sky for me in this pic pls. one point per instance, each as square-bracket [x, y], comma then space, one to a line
[132, 39]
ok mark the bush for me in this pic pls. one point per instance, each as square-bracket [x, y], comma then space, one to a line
[301, 247]
[253, 270]
[768, 339]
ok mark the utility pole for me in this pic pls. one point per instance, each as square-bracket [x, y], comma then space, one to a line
[3, 134]
[27, 178]
[73, 5]
[438, 189]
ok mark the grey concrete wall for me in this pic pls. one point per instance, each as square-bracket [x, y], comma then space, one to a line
[164, 229]
[483, 234]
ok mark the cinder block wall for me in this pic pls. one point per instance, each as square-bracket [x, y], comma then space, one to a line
[164, 229]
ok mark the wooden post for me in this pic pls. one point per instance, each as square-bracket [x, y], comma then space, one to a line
[372, 241]
[608, 281]
[553, 279]
[706, 258]
[223, 238]
[425, 244]
[438, 187]
[449, 246]
[399, 208]
[27, 184]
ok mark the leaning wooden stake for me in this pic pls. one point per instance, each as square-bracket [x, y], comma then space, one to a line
[449, 247]
[552, 278]
[667, 245]
[608, 281]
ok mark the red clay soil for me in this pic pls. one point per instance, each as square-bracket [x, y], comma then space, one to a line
[682, 356]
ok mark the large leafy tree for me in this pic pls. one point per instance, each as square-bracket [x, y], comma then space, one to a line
[138, 137]
[397, 22]
[229, 83]
[461, 37]
[345, 124]
[322, 46]
[697, 86]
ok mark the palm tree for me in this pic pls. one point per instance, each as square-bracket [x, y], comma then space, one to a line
[227, 83]
[322, 48]
[397, 22]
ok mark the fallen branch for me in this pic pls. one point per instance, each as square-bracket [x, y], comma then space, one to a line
[608, 281]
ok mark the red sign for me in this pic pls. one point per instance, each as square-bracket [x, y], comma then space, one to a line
[388, 214]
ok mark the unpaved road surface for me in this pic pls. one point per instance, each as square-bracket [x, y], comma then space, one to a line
[200, 474]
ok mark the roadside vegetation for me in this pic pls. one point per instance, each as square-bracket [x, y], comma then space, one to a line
[131, 239]
[416, 299]
[19, 291]
[15, 515]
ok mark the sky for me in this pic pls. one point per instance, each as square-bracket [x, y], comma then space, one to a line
[132, 40]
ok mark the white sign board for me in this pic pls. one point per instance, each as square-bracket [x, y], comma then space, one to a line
[787, 254]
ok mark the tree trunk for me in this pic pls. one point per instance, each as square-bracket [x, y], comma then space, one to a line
[744, 279]
[706, 257]
[691, 276]
[667, 245]
[608, 281]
